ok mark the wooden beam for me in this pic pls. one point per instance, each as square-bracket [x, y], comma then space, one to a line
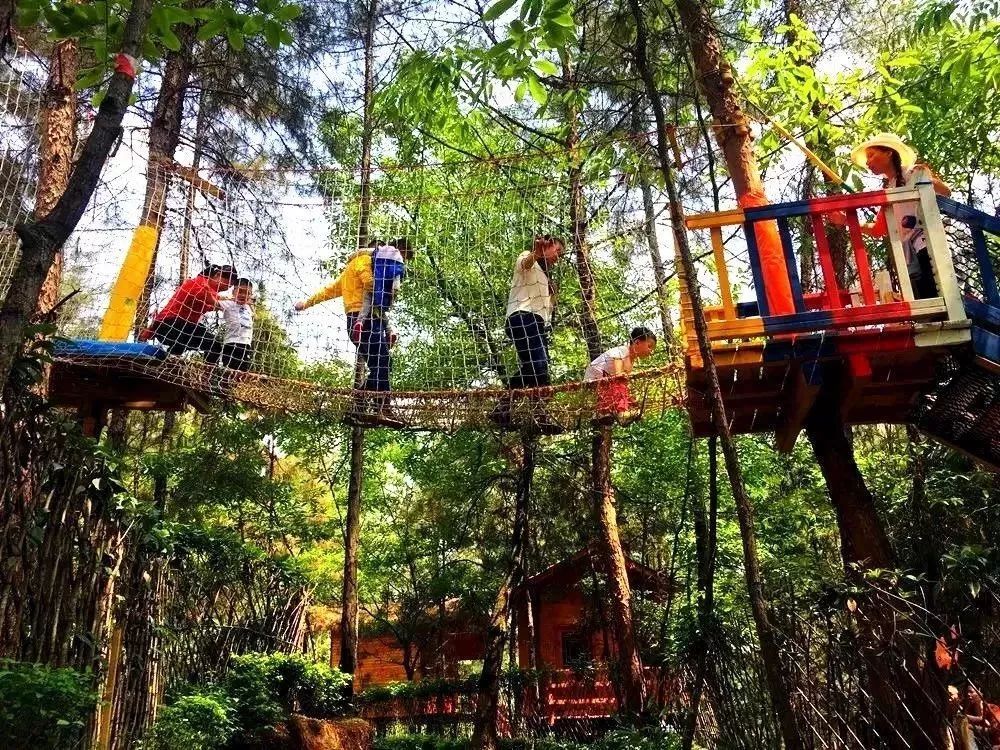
[805, 386]
[191, 176]
[857, 375]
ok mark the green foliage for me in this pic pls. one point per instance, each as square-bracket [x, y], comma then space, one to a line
[258, 692]
[419, 742]
[650, 738]
[418, 689]
[200, 721]
[639, 739]
[266, 688]
[99, 25]
[43, 707]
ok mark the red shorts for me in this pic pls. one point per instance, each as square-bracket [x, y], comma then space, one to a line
[613, 396]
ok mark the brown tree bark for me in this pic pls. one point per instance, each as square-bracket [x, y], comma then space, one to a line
[41, 239]
[58, 141]
[629, 670]
[724, 105]
[164, 137]
[485, 732]
[610, 552]
[349, 596]
[649, 230]
[349, 606]
[619, 593]
[863, 541]
[706, 538]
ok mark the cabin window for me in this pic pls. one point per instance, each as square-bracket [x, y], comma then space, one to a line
[576, 649]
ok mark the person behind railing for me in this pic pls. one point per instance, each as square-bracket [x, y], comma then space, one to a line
[529, 316]
[887, 155]
[236, 328]
[611, 370]
[372, 330]
[178, 325]
[984, 718]
[353, 284]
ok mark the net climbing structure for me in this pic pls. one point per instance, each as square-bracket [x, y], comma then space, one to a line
[793, 321]
[145, 311]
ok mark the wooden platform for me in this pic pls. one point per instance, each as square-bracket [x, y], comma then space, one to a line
[764, 393]
[874, 349]
[88, 387]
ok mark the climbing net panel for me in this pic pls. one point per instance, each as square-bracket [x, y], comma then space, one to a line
[152, 226]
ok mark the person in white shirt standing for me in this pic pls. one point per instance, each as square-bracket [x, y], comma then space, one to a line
[529, 315]
[611, 370]
[237, 327]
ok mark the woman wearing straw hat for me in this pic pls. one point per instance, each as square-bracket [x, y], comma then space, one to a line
[887, 155]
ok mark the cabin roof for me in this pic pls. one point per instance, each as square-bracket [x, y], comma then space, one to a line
[572, 569]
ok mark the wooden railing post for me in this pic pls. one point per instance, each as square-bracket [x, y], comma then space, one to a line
[940, 253]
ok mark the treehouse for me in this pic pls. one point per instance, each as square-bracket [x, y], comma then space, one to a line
[812, 326]
[561, 639]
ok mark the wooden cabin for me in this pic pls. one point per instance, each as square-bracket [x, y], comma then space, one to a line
[562, 631]
[561, 634]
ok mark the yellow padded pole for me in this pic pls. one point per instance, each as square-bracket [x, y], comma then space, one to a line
[120, 315]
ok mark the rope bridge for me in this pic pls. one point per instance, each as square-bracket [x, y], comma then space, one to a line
[154, 225]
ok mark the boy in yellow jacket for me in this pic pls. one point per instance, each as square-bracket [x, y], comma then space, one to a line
[354, 282]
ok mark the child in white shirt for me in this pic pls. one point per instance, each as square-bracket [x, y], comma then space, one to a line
[237, 327]
[610, 371]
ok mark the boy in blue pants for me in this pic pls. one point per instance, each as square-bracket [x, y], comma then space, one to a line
[372, 328]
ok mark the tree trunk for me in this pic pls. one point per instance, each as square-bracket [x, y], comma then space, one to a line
[485, 733]
[652, 241]
[349, 606]
[164, 137]
[578, 225]
[715, 83]
[58, 141]
[619, 594]
[706, 533]
[349, 600]
[863, 540]
[609, 545]
[41, 239]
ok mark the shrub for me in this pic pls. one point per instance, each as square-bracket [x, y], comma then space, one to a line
[418, 689]
[420, 742]
[43, 707]
[639, 739]
[200, 721]
[266, 688]
[545, 744]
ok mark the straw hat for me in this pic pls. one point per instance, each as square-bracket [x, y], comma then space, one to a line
[907, 156]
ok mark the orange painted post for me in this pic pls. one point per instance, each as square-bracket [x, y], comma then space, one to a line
[861, 258]
[826, 262]
[777, 286]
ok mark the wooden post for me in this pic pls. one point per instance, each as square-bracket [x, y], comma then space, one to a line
[612, 555]
[107, 708]
[716, 78]
[349, 606]
[940, 253]
[93, 419]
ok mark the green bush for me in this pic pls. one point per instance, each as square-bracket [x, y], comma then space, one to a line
[639, 739]
[418, 689]
[42, 707]
[266, 688]
[619, 739]
[200, 721]
[419, 742]
[550, 744]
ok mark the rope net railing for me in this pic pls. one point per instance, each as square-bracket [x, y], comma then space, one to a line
[274, 329]
[21, 83]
